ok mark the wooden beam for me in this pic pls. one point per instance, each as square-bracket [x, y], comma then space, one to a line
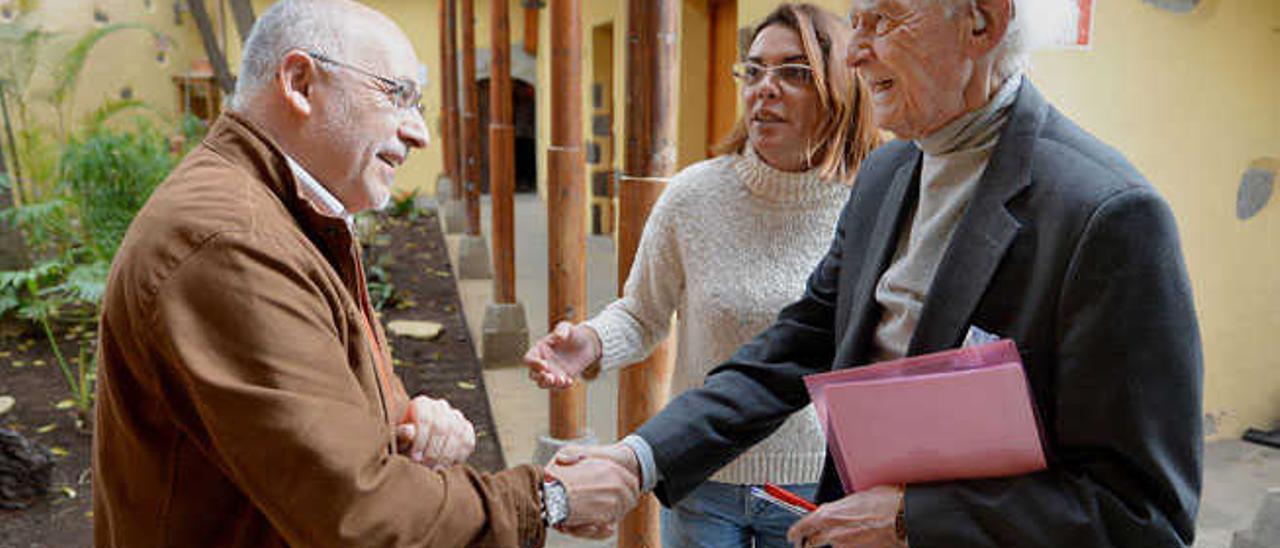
[242, 10]
[650, 158]
[470, 119]
[450, 74]
[531, 26]
[502, 181]
[216, 58]
[448, 109]
[566, 203]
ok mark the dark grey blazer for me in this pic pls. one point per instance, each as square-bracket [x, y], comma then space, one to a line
[1067, 250]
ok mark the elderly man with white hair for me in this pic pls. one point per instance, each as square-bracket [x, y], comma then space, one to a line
[246, 395]
[993, 214]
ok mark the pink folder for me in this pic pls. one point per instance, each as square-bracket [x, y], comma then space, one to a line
[959, 414]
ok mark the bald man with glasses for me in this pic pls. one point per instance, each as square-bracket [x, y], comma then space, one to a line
[245, 395]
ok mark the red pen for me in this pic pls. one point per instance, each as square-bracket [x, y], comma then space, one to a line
[784, 499]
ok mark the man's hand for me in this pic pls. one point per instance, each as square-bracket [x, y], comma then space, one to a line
[435, 434]
[865, 519]
[564, 353]
[603, 484]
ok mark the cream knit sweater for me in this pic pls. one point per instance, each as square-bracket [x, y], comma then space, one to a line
[729, 244]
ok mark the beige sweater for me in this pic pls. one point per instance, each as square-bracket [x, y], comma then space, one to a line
[729, 244]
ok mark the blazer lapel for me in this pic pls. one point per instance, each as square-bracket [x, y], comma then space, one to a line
[899, 200]
[984, 233]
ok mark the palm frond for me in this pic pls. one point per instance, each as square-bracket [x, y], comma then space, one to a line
[30, 215]
[86, 282]
[94, 121]
[21, 279]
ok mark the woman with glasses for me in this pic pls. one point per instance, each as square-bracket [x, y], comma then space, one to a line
[730, 242]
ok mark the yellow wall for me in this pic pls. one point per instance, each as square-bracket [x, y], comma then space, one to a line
[1191, 99]
[124, 59]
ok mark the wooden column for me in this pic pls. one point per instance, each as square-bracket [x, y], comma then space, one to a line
[448, 92]
[216, 57]
[502, 183]
[531, 27]
[470, 119]
[652, 78]
[566, 203]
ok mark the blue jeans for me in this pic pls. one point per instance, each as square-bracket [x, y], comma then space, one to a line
[726, 515]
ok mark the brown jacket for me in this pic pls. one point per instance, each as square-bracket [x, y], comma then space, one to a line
[240, 402]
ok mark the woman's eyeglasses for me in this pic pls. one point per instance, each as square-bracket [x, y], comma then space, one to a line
[404, 93]
[793, 74]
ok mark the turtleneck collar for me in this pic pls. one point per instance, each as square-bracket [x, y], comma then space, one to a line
[976, 128]
[782, 187]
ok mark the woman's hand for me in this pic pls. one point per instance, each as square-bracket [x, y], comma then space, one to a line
[866, 519]
[563, 354]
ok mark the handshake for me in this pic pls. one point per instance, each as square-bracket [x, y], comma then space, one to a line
[602, 484]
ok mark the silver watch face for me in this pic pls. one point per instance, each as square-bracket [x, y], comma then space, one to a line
[556, 501]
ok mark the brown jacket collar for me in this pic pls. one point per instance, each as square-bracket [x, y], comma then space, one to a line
[245, 144]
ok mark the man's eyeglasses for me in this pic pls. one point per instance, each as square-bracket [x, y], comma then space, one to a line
[793, 74]
[404, 93]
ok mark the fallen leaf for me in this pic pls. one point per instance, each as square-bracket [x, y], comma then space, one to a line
[397, 362]
[64, 405]
[68, 491]
[18, 364]
[47, 428]
[38, 363]
[7, 403]
[466, 385]
[59, 452]
[4, 353]
[416, 329]
[89, 514]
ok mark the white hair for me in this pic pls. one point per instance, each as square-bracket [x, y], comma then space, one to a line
[1034, 25]
[309, 25]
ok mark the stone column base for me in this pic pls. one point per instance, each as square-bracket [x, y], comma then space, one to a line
[444, 190]
[455, 217]
[505, 335]
[473, 258]
[547, 446]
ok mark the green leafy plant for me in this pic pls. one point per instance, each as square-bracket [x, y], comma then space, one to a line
[109, 175]
[106, 177]
[80, 185]
[404, 204]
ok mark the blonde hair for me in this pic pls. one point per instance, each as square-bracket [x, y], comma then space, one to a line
[843, 139]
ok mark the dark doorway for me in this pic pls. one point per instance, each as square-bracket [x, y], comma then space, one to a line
[524, 114]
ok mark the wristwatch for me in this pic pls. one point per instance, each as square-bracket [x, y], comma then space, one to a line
[555, 501]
